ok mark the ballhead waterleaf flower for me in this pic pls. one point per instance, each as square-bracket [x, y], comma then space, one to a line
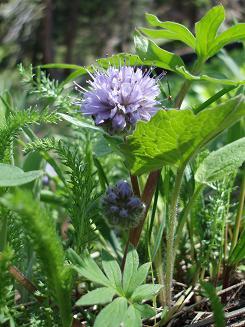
[118, 97]
[121, 207]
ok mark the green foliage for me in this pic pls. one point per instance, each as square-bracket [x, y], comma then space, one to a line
[221, 162]
[5, 286]
[41, 230]
[152, 54]
[128, 288]
[14, 176]
[172, 137]
[79, 187]
[169, 30]
[19, 120]
[217, 307]
[238, 253]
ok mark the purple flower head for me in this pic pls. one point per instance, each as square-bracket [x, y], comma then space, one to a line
[118, 97]
[125, 210]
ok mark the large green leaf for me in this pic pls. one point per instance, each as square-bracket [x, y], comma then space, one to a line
[206, 30]
[14, 176]
[153, 55]
[145, 292]
[232, 34]
[113, 314]
[221, 162]
[170, 30]
[173, 136]
[100, 295]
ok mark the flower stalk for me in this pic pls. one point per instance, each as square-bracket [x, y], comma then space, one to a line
[170, 236]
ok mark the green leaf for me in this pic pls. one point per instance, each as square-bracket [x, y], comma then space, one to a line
[101, 295]
[133, 318]
[113, 314]
[145, 292]
[151, 54]
[130, 271]
[145, 310]
[80, 123]
[88, 268]
[112, 270]
[171, 30]
[206, 30]
[232, 34]
[218, 312]
[14, 176]
[186, 74]
[222, 162]
[61, 66]
[238, 253]
[141, 274]
[172, 137]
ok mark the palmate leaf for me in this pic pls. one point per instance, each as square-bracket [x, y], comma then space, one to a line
[112, 270]
[130, 271]
[169, 30]
[133, 317]
[113, 314]
[100, 295]
[14, 176]
[221, 162]
[172, 137]
[145, 292]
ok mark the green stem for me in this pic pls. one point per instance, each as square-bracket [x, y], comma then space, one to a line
[3, 230]
[239, 214]
[186, 85]
[170, 236]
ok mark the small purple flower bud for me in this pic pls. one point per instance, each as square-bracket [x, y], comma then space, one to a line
[124, 189]
[123, 213]
[134, 202]
[114, 209]
[118, 97]
[126, 210]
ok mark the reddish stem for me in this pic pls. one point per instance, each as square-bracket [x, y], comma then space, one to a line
[134, 234]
